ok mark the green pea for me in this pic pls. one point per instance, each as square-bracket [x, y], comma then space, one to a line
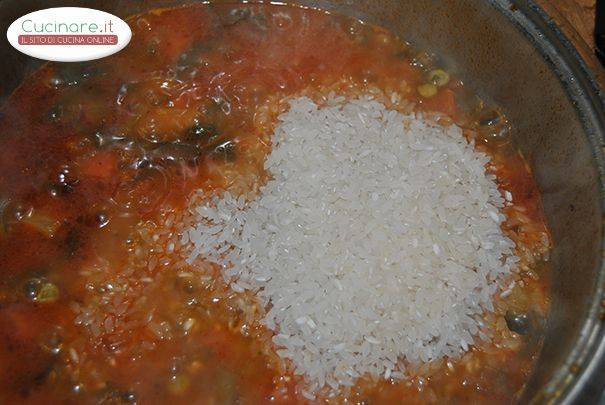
[427, 90]
[438, 77]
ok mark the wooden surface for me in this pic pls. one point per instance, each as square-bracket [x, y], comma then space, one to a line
[580, 15]
[576, 20]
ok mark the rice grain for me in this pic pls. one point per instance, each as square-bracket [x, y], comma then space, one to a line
[376, 242]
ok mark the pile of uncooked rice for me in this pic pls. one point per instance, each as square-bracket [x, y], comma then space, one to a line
[376, 243]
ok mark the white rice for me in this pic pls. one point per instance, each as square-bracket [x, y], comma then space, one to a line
[376, 243]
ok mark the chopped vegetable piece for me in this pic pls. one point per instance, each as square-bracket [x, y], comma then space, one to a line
[45, 224]
[48, 293]
[40, 290]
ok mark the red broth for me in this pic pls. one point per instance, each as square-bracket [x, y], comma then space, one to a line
[98, 161]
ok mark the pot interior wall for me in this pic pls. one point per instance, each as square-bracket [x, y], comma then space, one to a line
[482, 46]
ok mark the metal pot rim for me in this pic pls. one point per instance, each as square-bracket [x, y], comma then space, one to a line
[580, 378]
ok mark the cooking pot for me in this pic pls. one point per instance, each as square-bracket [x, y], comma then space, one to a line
[512, 54]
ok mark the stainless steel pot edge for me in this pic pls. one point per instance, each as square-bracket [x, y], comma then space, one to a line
[581, 378]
